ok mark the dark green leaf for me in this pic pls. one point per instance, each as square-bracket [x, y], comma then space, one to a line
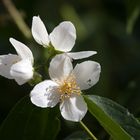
[79, 135]
[116, 120]
[28, 122]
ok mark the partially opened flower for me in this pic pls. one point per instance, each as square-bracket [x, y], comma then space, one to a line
[18, 67]
[62, 38]
[65, 87]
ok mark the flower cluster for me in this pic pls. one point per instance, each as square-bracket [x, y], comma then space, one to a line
[67, 83]
[18, 67]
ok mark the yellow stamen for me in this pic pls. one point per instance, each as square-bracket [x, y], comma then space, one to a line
[68, 87]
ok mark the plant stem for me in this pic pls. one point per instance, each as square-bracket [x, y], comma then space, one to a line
[17, 17]
[88, 131]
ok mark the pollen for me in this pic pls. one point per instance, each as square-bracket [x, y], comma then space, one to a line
[68, 87]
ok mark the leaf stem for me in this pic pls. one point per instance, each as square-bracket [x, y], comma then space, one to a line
[17, 17]
[88, 131]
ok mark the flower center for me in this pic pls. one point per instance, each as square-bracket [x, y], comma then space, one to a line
[68, 87]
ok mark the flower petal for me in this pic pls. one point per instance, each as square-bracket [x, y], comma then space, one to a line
[63, 36]
[87, 74]
[6, 61]
[82, 54]
[74, 108]
[39, 31]
[23, 51]
[60, 67]
[45, 94]
[22, 71]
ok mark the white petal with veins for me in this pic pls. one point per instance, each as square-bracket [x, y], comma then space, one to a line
[60, 67]
[45, 94]
[73, 108]
[87, 74]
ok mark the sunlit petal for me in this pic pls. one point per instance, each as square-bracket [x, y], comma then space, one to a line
[63, 36]
[39, 31]
[81, 55]
[6, 61]
[23, 51]
[22, 71]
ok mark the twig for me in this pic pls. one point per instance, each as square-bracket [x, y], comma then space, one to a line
[17, 17]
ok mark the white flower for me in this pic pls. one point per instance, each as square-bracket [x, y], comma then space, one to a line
[65, 87]
[62, 37]
[18, 67]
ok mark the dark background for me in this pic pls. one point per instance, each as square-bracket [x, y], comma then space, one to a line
[110, 27]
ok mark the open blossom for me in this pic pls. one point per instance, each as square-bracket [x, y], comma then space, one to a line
[18, 67]
[65, 87]
[62, 38]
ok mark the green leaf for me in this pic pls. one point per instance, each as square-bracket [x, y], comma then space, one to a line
[115, 119]
[133, 11]
[28, 122]
[78, 135]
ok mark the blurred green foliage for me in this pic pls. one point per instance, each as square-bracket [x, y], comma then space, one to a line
[112, 28]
